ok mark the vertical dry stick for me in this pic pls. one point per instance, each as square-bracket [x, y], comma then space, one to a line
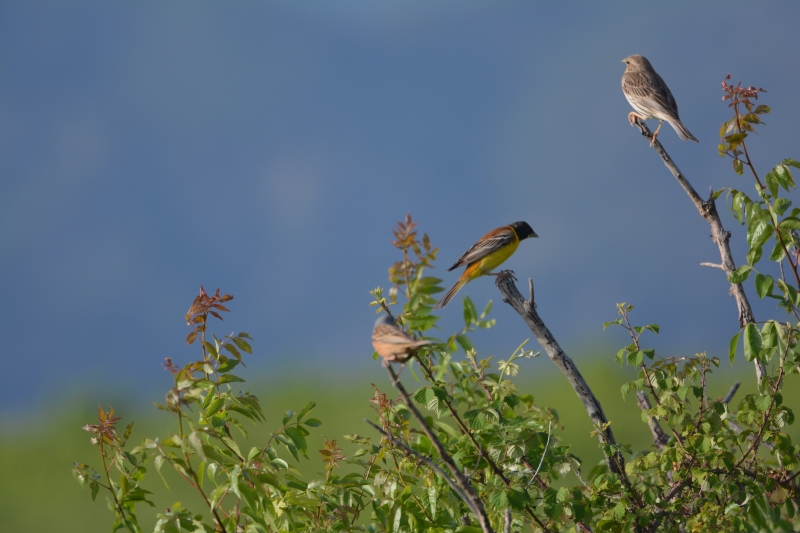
[527, 310]
[708, 210]
[659, 437]
[473, 501]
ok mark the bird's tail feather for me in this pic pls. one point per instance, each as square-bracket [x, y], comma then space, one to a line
[681, 130]
[452, 292]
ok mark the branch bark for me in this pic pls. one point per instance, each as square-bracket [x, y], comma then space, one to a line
[708, 210]
[659, 437]
[527, 310]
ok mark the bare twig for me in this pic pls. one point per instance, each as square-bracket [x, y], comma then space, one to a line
[728, 397]
[541, 461]
[708, 210]
[659, 437]
[470, 496]
[712, 265]
[507, 528]
[527, 310]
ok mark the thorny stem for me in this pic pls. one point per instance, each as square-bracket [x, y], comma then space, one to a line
[108, 478]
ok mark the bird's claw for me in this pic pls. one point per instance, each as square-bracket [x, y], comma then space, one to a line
[503, 274]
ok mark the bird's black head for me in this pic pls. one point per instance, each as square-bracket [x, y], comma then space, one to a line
[523, 230]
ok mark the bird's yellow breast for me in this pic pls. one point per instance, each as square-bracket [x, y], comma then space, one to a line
[494, 260]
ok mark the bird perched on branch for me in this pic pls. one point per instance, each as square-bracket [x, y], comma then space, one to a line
[487, 254]
[650, 97]
[392, 343]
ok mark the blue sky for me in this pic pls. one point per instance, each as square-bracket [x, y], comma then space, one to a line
[268, 148]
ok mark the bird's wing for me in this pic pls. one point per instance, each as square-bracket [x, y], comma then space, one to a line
[392, 335]
[649, 91]
[492, 241]
[664, 90]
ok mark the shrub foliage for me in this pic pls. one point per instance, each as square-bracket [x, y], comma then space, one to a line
[467, 451]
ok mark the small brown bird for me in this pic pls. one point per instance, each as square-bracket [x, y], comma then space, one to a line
[650, 97]
[392, 343]
[487, 254]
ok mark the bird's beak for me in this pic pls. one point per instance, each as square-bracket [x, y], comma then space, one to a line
[533, 234]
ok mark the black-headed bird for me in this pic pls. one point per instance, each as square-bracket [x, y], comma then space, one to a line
[650, 97]
[487, 254]
[392, 343]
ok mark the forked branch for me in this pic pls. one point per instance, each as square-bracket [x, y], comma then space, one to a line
[527, 310]
[708, 210]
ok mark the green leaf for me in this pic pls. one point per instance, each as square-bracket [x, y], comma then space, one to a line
[759, 228]
[636, 358]
[781, 205]
[762, 109]
[754, 255]
[464, 342]
[763, 402]
[740, 274]
[229, 378]
[790, 223]
[752, 342]
[732, 346]
[777, 253]
[242, 344]
[470, 313]
[764, 285]
[738, 167]
[305, 410]
[298, 434]
[211, 349]
[227, 364]
[313, 422]
[784, 176]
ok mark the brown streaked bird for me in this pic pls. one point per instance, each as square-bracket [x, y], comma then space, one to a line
[392, 343]
[487, 254]
[650, 97]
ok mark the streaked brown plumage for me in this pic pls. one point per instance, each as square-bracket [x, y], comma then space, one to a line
[650, 97]
[392, 343]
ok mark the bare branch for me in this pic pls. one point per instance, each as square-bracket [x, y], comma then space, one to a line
[527, 310]
[659, 437]
[471, 497]
[507, 528]
[712, 265]
[708, 210]
[729, 396]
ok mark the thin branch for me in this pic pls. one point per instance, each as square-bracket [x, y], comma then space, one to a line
[541, 461]
[427, 461]
[708, 210]
[507, 528]
[527, 310]
[728, 397]
[472, 500]
[659, 437]
[712, 265]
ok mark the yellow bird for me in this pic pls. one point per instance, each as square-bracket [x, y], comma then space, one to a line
[487, 254]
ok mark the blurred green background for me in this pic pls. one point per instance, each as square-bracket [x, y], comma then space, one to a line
[38, 492]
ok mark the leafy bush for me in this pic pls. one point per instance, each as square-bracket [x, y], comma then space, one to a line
[483, 456]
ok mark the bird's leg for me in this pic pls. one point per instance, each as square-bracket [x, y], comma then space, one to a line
[653, 140]
[632, 116]
[503, 274]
